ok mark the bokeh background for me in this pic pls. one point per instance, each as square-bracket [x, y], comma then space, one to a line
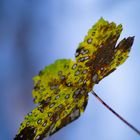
[34, 33]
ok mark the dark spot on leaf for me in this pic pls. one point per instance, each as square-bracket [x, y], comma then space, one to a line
[26, 134]
[89, 41]
[74, 66]
[60, 73]
[67, 96]
[39, 121]
[77, 72]
[81, 59]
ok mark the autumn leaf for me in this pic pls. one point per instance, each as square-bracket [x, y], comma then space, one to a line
[61, 89]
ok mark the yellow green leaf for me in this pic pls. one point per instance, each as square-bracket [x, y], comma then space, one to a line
[61, 89]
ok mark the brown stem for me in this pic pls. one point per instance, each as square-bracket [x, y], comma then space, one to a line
[115, 113]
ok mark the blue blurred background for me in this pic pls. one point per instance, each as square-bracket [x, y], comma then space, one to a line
[34, 33]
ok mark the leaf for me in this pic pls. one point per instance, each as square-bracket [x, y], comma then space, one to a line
[62, 88]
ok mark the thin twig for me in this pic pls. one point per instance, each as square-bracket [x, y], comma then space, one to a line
[115, 113]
